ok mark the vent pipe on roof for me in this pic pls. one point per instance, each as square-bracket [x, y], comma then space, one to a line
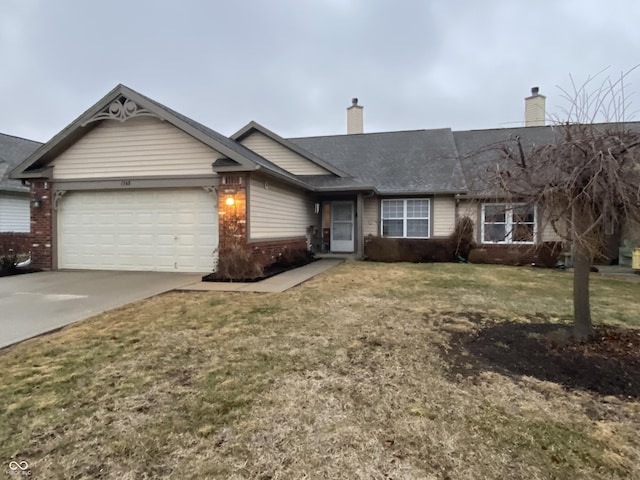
[355, 118]
[534, 109]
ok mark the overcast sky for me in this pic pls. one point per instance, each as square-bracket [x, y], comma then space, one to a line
[294, 65]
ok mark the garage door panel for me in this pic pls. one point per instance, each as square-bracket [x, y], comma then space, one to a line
[161, 230]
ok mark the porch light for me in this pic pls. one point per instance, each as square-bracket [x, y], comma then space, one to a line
[37, 203]
[230, 201]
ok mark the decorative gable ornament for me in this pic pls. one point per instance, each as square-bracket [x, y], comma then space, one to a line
[122, 110]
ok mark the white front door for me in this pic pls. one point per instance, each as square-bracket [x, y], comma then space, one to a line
[342, 227]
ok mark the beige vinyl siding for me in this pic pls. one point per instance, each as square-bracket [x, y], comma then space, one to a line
[282, 156]
[278, 211]
[371, 223]
[548, 234]
[142, 146]
[444, 216]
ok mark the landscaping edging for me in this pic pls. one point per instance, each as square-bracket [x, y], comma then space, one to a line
[268, 272]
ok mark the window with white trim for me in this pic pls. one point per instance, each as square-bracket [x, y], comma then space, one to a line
[405, 217]
[508, 223]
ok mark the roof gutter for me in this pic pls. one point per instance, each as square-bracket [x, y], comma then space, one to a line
[421, 192]
[359, 188]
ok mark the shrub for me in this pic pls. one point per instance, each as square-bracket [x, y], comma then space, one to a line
[8, 263]
[512, 257]
[548, 254]
[462, 237]
[380, 249]
[293, 257]
[237, 263]
[478, 255]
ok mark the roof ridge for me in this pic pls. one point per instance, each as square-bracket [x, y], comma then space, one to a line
[20, 138]
[390, 132]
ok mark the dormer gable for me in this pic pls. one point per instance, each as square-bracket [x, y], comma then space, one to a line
[283, 153]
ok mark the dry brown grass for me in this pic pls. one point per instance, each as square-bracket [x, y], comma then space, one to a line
[346, 376]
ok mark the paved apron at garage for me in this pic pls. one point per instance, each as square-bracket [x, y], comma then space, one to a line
[37, 303]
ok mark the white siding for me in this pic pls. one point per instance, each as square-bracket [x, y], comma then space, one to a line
[142, 146]
[278, 211]
[371, 223]
[444, 216]
[281, 156]
[14, 213]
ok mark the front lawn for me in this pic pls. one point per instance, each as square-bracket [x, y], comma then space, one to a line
[368, 371]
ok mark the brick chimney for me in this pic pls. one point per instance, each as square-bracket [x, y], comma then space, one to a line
[534, 109]
[355, 118]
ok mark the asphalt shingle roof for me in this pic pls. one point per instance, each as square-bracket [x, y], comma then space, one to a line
[422, 161]
[479, 151]
[13, 150]
[436, 161]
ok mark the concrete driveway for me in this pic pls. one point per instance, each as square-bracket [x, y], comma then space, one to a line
[36, 303]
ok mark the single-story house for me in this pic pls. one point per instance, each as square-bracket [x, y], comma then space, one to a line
[15, 219]
[133, 185]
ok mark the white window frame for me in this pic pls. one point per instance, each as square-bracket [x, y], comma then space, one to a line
[509, 223]
[404, 217]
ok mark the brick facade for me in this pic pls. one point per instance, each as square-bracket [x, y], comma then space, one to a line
[510, 254]
[520, 254]
[17, 243]
[42, 225]
[268, 252]
[232, 223]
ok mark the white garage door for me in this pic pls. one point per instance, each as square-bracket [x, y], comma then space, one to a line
[167, 230]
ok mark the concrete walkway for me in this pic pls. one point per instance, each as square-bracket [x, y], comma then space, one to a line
[276, 284]
[617, 271]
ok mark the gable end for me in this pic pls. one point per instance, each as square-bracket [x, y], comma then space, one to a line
[121, 109]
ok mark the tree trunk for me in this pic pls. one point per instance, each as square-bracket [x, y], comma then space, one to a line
[581, 307]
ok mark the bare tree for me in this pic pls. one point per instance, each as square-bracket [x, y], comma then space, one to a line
[587, 181]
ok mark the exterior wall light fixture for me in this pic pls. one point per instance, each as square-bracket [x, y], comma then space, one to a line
[230, 201]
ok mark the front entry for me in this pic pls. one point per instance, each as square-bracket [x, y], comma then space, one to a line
[342, 226]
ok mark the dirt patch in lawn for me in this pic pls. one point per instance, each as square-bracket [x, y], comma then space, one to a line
[607, 365]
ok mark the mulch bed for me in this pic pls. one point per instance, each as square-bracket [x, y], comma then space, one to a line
[18, 271]
[268, 272]
[609, 364]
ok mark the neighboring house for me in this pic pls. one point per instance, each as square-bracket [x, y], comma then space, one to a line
[134, 185]
[15, 218]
